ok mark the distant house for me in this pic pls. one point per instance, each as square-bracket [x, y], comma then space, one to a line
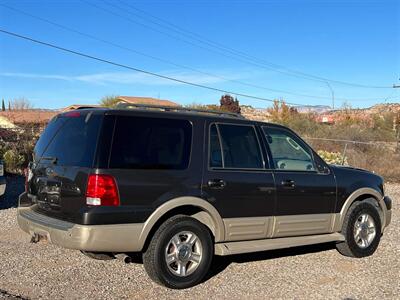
[146, 100]
[28, 116]
[15, 122]
[126, 99]
[325, 119]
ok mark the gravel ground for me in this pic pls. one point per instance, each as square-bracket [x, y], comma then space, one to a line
[48, 272]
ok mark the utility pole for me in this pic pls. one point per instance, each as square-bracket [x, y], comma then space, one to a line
[332, 93]
[396, 86]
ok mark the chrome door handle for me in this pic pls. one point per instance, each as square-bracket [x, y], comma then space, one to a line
[216, 183]
[289, 184]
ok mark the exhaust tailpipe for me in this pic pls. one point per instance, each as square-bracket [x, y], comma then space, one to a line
[123, 257]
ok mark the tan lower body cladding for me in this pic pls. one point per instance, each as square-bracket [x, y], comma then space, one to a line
[243, 235]
[239, 229]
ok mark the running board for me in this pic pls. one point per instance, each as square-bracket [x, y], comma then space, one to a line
[277, 243]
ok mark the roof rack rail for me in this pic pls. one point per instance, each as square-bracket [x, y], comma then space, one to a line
[122, 105]
[87, 107]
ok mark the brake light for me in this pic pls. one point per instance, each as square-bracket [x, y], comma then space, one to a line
[72, 114]
[102, 190]
[26, 174]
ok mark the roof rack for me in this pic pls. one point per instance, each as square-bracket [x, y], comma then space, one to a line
[177, 109]
[87, 107]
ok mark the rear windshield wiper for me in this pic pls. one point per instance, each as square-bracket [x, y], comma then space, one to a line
[52, 159]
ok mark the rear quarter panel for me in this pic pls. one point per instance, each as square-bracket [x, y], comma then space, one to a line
[141, 191]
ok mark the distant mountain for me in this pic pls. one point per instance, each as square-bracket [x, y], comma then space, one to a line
[383, 108]
[376, 109]
[313, 109]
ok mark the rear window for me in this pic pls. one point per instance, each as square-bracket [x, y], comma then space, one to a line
[151, 143]
[70, 140]
[46, 136]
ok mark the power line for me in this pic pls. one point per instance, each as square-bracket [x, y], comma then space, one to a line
[255, 61]
[154, 57]
[159, 59]
[139, 70]
[164, 60]
[219, 52]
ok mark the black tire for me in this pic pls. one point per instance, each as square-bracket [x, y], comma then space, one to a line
[99, 255]
[350, 247]
[154, 257]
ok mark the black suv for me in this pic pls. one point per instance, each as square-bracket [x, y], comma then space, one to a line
[181, 185]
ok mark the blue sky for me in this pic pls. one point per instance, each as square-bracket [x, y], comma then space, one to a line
[351, 41]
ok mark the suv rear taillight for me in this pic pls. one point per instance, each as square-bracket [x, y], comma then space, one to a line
[26, 179]
[102, 190]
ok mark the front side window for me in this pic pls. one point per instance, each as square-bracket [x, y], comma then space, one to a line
[240, 147]
[151, 143]
[288, 151]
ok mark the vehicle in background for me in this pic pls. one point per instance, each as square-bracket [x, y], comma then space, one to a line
[2, 179]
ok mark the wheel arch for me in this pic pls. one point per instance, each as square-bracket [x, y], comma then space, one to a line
[363, 194]
[195, 207]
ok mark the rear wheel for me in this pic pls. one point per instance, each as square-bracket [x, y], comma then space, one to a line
[180, 253]
[362, 230]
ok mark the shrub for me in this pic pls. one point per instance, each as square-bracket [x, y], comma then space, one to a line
[109, 101]
[13, 161]
[333, 157]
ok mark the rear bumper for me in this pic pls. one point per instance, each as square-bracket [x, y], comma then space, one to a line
[101, 238]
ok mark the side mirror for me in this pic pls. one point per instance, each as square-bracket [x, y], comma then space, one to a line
[321, 165]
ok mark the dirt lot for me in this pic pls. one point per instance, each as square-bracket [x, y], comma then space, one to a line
[48, 272]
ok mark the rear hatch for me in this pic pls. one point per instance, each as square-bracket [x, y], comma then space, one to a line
[62, 160]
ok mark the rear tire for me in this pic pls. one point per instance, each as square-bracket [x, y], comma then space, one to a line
[179, 254]
[361, 229]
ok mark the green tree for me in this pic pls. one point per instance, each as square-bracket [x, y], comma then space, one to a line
[3, 106]
[109, 101]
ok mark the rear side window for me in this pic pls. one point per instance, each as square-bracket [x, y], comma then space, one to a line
[74, 142]
[151, 143]
[215, 148]
[240, 147]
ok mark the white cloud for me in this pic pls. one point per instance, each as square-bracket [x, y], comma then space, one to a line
[36, 76]
[133, 77]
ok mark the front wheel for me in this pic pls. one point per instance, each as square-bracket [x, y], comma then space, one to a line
[180, 253]
[361, 229]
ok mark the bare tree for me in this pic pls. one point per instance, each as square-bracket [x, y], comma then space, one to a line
[21, 104]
